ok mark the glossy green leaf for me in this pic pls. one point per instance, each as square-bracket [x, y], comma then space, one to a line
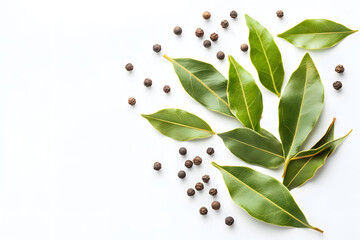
[300, 106]
[316, 34]
[260, 149]
[263, 197]
[265, 56]
[203, 83]
[179, 124]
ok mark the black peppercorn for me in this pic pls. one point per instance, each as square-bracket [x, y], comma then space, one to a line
[147, 82]
[224, 23]
[167, 89]
[229, 221]
[279, 14]
[206, 178]
[214, 37]
[220, 55]
[177, 30]
[233, 14]
[215, 205]
[157, 166]
[244, 47]
[207, 44]
[199, 32]
[197, 160]
[157, 48]
[339, 68]
[182, 151]
[206, 15]
[210, 151]
[199, 186]
[188, 163]
[203, 211]
[132, 101]
[190, 192]
[337, 85]
[213, 191]
[129, 67]
[181, 174]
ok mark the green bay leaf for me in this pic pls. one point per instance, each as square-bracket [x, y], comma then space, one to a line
[179, 124]
[316, 34]
[263, 197]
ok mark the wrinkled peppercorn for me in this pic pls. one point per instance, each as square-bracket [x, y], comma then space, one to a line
[339, 68]
[229, 221]
[279, 14]
[220, 55]
[197, 160]
[181, 174]
[207, 44]
[206, 15]
[199, 186]
[244, 47]
[132, 101]
[337, 85]
[199, 32]
[147, 82]
[203, 211]
[206, 178]
[213, 191]
[188, 163]
[182, 151]
[190, 192]
[214, 37]
[233, 14]
[215, 205]
[157, 48]
[167, 89]
[129, 67]
[177, 30]
[210, 151]
[157, 166]
[224, 23]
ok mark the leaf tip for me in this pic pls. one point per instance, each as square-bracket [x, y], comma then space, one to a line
[215, 164]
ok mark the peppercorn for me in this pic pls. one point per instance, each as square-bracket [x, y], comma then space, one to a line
[167, 89]
[177, 30]
[337, 85]
[233, 14]
[203, 211]
[214, 37]
[199, 32]
[190, 192]
[197, 160]
[339, 68]
[157, 166]
[229, 221]
[132, 101]
[206, 15]
[147, 82]
[181, 174]
[188, 163]
[207, 44]
[244, 47]
[182, 151]
[220, 55]
[215, 205]
[129, 67]
[213, 191]
[199, 186]
[206, 178]
[210, 151]
[279, 14]
[157, 48]
[224, 23]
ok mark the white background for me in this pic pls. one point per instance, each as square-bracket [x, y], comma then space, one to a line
[76, 160]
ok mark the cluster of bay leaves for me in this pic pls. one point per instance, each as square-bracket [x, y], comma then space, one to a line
[300, 106]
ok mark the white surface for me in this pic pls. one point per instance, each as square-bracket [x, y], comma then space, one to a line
[76, 160]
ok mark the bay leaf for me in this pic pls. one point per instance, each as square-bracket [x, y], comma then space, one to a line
[245, 98]
[265, 56]
[203, 83]
[263, 197]
[259, 149]
[316, 34]
[300, 107]
[179, 124]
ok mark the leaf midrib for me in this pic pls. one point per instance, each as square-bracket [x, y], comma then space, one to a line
[316, 33]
